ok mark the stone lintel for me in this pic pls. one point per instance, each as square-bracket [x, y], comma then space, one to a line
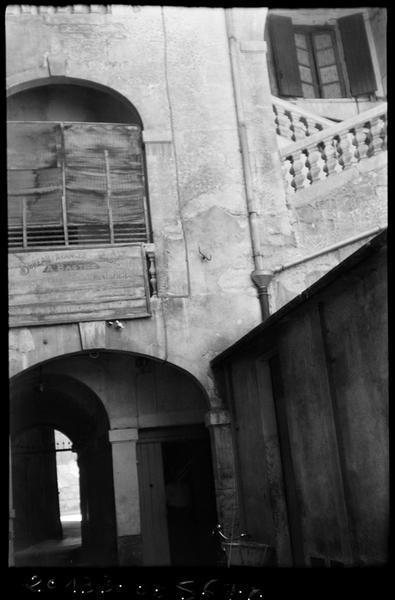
[123, 435]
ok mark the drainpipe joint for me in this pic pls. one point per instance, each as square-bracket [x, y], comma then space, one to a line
[261, 280]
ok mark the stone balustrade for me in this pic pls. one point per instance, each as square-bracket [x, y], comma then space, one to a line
[335, 149]
[295, 123]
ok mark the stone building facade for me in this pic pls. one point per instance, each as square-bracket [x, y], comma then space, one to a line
[246, 192]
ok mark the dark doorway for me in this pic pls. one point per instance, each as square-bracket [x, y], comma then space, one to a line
[190, 501]
[177, 497]
[40, 405]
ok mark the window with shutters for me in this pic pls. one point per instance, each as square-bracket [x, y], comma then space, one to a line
[75, 184]
[307, 59]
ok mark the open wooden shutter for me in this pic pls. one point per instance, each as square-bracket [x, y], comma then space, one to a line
[357, 55]
[34, 181]
[284, 53]
[104, 183]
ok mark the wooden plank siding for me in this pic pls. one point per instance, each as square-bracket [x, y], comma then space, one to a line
[77, 285]
[321, 399]
[154, 530]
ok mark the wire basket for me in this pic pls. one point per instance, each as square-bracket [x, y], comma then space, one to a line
[248, 554]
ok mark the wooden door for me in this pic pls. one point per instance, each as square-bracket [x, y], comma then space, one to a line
[154, 531]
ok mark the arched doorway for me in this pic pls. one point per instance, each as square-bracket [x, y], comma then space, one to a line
[146, 478]
[40, 405]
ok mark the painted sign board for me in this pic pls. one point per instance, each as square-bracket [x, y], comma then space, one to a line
[90, 284]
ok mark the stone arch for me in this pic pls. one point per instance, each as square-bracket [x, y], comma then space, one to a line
[20, 83]
[40, 360]
[102, 398]
[64, 411]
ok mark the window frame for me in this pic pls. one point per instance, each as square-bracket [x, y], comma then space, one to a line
[309, 31]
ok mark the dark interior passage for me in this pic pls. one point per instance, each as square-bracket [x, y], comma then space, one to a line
[41, 404]
[190, 499]
[34, 476]
[177, 497]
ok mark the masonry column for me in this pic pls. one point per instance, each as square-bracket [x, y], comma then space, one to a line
[219, 424]
[126, 493]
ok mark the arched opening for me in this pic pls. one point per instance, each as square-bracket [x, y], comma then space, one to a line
[40, 406]
[144, 456]
[76, 167]
[68, 478]
[66, 99]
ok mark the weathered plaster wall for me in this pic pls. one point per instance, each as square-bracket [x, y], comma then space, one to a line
[257, 114]
[330, 212]
[195, 178]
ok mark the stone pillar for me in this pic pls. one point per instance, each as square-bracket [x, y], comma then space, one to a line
[126, 493]
[219, 423]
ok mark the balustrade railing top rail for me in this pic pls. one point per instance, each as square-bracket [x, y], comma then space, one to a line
[335, 149]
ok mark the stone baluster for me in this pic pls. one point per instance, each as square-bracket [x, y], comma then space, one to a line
[345, 149]
[317, 163]
[308, 168]
[289, 116]
[315, 127]
[384, 131]
[276, 120]
[284, 124]
[361, 142]
[300, 169]
[300, 128]
[383, 134]
[288, 174]
[354, 143]
[81, 8]
[152, 273]
[376, 128]
[329, 154]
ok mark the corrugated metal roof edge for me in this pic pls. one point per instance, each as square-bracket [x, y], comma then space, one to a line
[351, 261]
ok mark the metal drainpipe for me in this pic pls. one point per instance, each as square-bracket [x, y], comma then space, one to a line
[259, 276]
[328, 249]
